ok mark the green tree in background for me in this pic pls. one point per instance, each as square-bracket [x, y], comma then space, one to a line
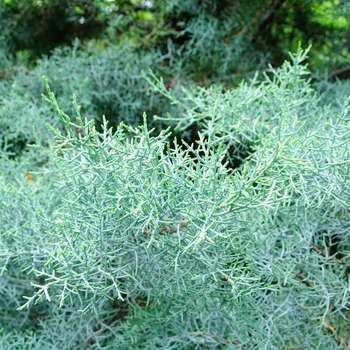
[215, 38]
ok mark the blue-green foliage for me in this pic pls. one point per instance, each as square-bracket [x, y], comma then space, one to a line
[108, 82]
[127, 240]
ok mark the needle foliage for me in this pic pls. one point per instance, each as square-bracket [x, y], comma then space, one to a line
[129, 239]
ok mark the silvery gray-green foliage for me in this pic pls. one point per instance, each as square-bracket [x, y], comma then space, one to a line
[218, 37]
[107, 80]
[236, 119]
[213, 40]
[335, 94]
[125, 242]
[23, 122]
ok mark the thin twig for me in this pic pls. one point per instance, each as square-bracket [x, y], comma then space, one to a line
[317, 250]
[338, 71]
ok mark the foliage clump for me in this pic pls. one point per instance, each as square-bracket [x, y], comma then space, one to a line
[131, 239]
